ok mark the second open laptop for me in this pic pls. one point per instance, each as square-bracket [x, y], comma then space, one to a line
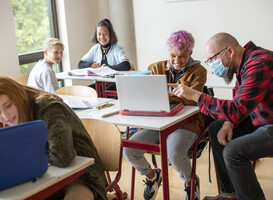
[145, 95]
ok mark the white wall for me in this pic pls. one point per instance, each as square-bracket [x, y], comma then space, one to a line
[8, 48]
[156, 19]
[76, 23]
[77, 20]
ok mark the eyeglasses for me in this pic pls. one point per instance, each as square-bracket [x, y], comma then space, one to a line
[212, 58]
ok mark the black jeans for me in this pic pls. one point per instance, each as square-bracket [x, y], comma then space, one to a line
[233, 161]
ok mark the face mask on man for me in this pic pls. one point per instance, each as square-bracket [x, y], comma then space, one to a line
[218, 68]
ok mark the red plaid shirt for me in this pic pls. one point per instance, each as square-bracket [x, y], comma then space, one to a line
[253, 91]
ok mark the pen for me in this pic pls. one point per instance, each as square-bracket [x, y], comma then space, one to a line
[104, 106]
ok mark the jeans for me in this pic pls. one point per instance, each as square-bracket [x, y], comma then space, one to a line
[233, 161]
[178, 145]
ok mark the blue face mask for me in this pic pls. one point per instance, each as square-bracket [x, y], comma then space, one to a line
[218, 68]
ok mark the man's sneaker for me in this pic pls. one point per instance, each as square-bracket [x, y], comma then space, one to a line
[151, 188]
[196, 192]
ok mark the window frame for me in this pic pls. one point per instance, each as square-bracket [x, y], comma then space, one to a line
[35, 56]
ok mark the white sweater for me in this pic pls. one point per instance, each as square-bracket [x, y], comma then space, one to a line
[43, 77]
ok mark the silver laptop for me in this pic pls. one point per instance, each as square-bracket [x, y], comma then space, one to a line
[143, 93]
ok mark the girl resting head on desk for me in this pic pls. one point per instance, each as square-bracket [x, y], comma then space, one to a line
[67, 136]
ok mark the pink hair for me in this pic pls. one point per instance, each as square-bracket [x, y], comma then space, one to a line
[181, 41]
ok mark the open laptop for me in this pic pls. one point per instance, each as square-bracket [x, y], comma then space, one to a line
[145, 95]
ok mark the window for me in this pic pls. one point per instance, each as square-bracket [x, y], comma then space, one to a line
[35, 20]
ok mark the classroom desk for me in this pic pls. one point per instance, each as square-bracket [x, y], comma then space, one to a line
[165, 126]
[100, 81]
[54, 179]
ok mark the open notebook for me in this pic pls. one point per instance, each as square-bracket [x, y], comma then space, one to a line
[101, 71]
[145, 95]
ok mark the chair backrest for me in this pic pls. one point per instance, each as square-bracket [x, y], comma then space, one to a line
[132, 66]
[77, 90]
[22, 79]
[107, 139]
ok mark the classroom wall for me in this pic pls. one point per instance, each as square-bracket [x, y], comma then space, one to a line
[8, 48]
[156, 19]
[76, 24]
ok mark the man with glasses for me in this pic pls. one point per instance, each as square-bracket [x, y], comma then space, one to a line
[243, 130]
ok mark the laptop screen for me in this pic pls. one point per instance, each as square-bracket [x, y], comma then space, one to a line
[143, 93]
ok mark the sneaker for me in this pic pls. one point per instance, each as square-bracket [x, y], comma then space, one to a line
[196, 192]
[151, 188]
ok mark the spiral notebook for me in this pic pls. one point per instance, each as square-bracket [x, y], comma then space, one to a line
[145, 95]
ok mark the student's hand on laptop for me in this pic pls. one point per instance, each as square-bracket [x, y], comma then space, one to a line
[184, 91]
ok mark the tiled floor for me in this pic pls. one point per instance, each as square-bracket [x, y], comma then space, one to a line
[263, 170]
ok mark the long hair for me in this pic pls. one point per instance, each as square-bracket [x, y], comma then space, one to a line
[23, 97]
[109, 26]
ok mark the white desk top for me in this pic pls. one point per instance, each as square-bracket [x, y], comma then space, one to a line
[153, 123]
[52, 176]
[212, 80]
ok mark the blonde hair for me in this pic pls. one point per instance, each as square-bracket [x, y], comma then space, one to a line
[23, 97]
[49, 43]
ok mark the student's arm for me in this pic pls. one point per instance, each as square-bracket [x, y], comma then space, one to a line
[188, 90]
[83, 64]
[60, 139]
[89, 58]
[50, 82]
[123, 66]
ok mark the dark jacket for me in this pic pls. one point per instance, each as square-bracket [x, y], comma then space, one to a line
[67, 138]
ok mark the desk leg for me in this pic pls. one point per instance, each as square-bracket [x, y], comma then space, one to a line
[164, 163]
[98, 88]
[103, 87]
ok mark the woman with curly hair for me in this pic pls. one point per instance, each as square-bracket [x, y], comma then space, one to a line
[181, 68]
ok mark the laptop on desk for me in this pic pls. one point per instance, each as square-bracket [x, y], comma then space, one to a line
[23, 153]
[145, 95]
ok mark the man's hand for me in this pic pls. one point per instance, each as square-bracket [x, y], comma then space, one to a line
[184, 91]
[225, 133]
